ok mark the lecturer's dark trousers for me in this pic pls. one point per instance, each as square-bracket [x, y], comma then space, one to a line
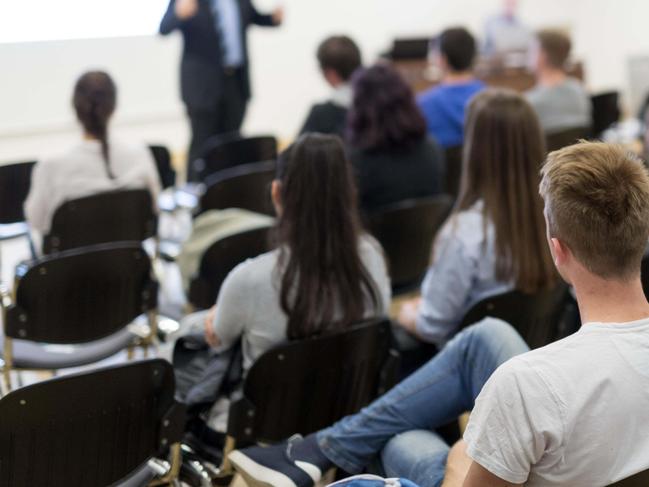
[226, 117]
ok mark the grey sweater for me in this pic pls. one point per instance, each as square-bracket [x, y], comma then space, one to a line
[248, 303]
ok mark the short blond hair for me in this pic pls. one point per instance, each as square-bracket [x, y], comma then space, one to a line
[597, 203]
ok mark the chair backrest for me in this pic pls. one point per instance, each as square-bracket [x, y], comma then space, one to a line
[219, 259]
[15, 180]
[304, 386]
[559, 140]
[536, 317]
[406, 231]
[453, 158]
[81, 295]
[606, 110]
[640, 479]
[226, 151]
[246, 186]
[90, 429]
[162, 159]
[114, 216]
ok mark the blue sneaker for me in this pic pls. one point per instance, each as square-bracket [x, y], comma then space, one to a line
[297, 463]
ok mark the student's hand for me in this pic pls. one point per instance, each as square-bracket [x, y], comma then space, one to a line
[210, 336]
[185, 9]
[278, 15]
[408, 313]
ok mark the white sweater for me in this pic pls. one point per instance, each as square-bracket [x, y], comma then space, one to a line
[81, 172]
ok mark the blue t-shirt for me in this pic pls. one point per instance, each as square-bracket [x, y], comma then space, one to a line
[443, 108]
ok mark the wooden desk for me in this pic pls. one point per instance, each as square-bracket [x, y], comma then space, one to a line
[420, 75]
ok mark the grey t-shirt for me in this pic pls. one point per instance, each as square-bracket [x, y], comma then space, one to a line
[561, 107]
[248, 304]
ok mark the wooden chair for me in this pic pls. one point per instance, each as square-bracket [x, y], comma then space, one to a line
[93, 429]
[219, 259]
[406, 231]
[74, 308]
[246, 186]
[15, 180]
[640, 479]
[564, 138]
[166, 171]
[536, 317]
[227, 151]
[605, 110]
[453, 158]
[304, 386]
[112, 216]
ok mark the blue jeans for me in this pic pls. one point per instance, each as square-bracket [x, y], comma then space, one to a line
[400, 423]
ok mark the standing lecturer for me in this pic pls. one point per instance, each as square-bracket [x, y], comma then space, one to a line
[214, 79]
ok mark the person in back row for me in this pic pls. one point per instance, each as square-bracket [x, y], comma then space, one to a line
[494, 241]
[443, 105]
[339, 57]
[575, 412]
[98, 163]
[560, 101]
[386, 134]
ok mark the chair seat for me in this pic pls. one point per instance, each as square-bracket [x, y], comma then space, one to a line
[140, 478]
[32, 355]
[13, 230]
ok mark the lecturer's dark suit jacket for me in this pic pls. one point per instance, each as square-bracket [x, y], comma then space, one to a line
[201, 70]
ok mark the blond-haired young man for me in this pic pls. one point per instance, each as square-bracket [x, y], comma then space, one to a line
[575, 412]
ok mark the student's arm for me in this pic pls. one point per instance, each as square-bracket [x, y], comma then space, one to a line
[461, 471]
[479, 476]
[230, 312]
[445, 289]
[515, 422]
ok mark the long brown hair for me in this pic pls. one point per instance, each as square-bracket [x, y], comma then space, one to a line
[94, 100]
[322, 276]
[503, 152]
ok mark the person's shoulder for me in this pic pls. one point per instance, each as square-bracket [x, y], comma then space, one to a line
[255, 268]
[432, 95]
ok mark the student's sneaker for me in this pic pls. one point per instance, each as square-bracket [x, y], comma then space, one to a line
[297, 463]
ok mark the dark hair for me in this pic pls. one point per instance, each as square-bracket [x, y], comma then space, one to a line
[556, 45]
[503, 151]
[94, 100]
[322, 275]
[383, 114]
[341, 54]
[458, 46]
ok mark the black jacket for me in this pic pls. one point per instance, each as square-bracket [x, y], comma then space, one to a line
[201, 69]
[387, 177]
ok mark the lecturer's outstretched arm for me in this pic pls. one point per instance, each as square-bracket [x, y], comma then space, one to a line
[178, 13]
[267, 20]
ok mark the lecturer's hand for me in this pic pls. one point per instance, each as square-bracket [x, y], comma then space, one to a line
[278, 15]
[185, 9]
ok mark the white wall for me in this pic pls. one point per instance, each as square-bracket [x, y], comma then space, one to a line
[37, 78]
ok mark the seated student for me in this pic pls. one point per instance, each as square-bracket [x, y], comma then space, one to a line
[338, 57]
[325, 274]
[575, 412]
[494, 241]
[560, 101]
[443, 105]
[98, 163]
[386, 134]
